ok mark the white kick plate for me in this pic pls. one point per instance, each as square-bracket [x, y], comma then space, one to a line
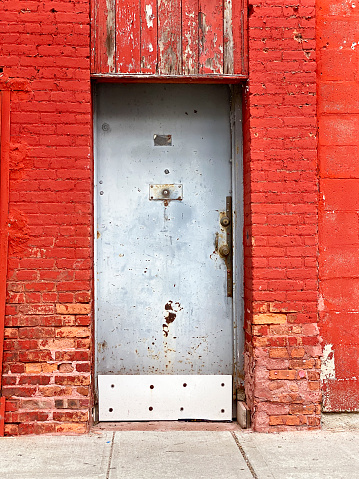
[165, 397]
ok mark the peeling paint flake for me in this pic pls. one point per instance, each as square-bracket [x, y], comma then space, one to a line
[149, 16]
[328, 364]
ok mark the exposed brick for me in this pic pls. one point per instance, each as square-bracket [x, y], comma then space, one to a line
[269, 318]
[297, 353]
[75, 308]
[71, 416]
[283, 374]
[65, 368]
[71, 428]
[278, 353]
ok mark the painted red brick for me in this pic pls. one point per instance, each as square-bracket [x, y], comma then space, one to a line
[338, 110]
[46, 45]
[281, 243]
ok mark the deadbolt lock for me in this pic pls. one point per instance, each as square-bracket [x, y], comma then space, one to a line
[165, 192]
[224, 250]
[225, 221]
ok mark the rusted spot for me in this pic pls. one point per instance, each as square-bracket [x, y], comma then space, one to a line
[101, 346]
[98, 235]
[170, 318]
[165, 329]
[171, 310]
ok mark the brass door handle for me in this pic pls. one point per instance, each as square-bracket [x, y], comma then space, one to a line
[225, 250]
[225, 221]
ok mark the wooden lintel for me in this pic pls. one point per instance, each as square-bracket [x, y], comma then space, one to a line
[130, 78]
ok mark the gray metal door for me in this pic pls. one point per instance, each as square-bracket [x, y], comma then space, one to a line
[163, 178]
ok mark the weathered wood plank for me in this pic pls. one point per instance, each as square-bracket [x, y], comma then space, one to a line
[93, 32]
[128, 38]
[149, 36]
[228, 66]
[105, 36]
[210, 36]
[169, 37]
[190, 37]
[239, 19]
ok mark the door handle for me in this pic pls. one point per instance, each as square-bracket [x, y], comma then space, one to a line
[226, 250]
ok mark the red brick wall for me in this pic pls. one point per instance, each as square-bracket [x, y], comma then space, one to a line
[281, 190]
[338, 110]
[48, 318]
[47, 378]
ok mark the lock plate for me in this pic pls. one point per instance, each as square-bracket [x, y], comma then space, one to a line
[166, 192]
[228, 258]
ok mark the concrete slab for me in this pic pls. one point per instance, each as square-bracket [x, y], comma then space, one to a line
[46, 457]
[299, 455]
[177, 455]
[342, 421]
[166, 426]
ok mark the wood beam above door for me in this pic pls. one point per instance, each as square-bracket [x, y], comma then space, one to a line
[169, 38]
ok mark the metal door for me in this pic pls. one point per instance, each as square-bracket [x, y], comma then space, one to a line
[163, 183]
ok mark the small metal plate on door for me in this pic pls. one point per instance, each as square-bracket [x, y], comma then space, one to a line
[166, 192]
[165, 397]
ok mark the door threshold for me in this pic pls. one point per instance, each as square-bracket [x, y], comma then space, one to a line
[166, 426]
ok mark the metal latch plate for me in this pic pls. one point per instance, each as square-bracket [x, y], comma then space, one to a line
[166, 192]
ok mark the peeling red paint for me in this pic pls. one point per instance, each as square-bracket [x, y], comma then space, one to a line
[338, 110]
[13, 84]
[18, 232]
[18, 160]
[169, 38]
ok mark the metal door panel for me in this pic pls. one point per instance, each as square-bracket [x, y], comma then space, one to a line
[162, 306]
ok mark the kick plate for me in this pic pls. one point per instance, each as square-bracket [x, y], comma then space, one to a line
[165, 397]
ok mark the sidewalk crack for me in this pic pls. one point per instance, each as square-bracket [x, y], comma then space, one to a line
[245, 457]
[110, 457]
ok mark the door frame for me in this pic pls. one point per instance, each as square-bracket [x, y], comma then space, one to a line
[236, 126]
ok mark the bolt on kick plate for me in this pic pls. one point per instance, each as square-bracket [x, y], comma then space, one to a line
[166, 192]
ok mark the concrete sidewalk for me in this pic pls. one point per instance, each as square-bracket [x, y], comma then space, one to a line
[182, 455]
